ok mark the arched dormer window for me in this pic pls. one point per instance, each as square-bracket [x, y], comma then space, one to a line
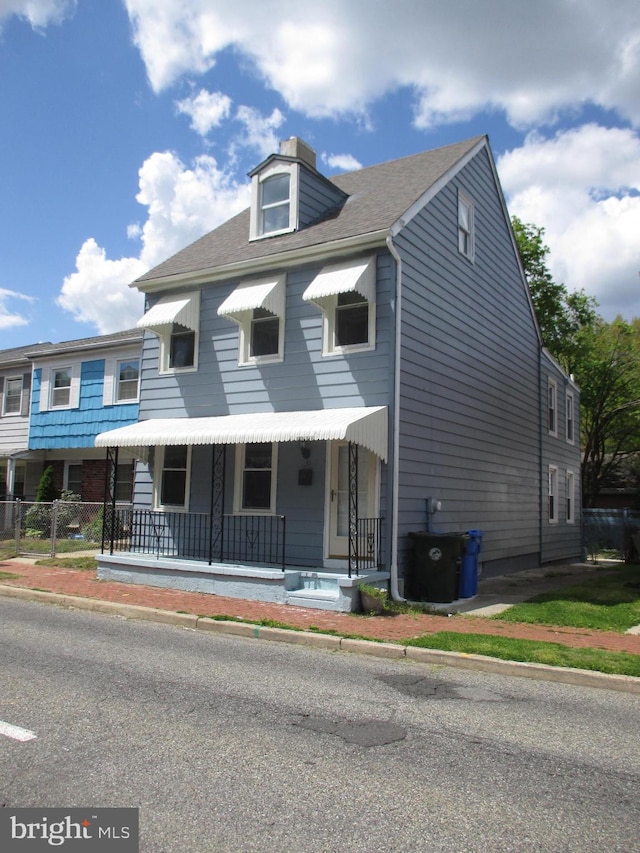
[274, 201]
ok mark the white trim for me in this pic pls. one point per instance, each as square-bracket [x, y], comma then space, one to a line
[570, 497]
[239, 306]
[111, 378]
[552, 385]
[553, 494]
[4, 395]
[466, 226]
[276, 168]
[570, 396]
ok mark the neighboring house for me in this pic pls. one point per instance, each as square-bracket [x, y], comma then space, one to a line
[81, 388]
[19, 473]
[319, 366]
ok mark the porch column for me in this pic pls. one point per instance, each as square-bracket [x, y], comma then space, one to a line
[109, 503]
[11, 477]
[353, 508]
[216, 504]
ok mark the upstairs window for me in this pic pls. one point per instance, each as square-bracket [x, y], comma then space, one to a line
[466, 236]
[346, 295]
[258, 307]
[570, 419]
[176, 322]
[571, 497]
[274, 204]
[552, 408]
[61, 388]
[13, 397]
[128, 380]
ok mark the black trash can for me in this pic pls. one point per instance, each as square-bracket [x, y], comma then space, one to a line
[434, 567]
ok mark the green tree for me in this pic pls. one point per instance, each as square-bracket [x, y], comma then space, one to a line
[608, 374]
[562, 316]
[47, 489]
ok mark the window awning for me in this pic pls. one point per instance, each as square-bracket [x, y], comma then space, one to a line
[365, 426]
[353, 276]
[183, 310]
[267, 294]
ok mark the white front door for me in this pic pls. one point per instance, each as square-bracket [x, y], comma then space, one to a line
[339, 494]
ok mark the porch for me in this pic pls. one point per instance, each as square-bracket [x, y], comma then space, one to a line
[238, 556]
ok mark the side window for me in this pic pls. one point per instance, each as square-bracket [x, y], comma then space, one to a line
[466, 227]
[258, 308]
[255, 482]
[13, 397]
[553, 494]
[182, 348]
[571, 496]
[61, 388]
[176, 321]
[570, 419]
[171, 478]
[552, 408]
[265, 333]
[128, 377]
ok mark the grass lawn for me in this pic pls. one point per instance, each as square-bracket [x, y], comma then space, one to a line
[531, 651]
[609, 602]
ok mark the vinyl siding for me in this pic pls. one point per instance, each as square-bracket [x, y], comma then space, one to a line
[469, 400]
[316, 197]
[14, 428]
[77, 427]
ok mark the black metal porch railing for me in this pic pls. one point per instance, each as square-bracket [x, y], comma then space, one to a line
[192, 536]
[369, 551]
[236, 538]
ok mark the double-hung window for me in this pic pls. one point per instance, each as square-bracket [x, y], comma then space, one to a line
[275, 203]
[61, 388]
[176, 322]
[127, 380]
[258, 307]
[274, 200]
[255, 484]
[466, 226]
[172, 477]
[552, 407]
[553, 494]
[13, 396]
[570, 418]
[346, 295]
[571, 497]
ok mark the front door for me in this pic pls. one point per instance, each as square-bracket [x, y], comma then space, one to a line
[339, 495]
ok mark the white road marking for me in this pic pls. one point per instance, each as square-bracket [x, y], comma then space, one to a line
[15, 732]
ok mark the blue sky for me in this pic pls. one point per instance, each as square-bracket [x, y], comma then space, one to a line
[128, 129]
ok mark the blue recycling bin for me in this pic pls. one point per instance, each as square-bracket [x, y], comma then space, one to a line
[469, 564]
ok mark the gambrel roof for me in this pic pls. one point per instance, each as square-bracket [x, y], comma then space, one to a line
[378, 197]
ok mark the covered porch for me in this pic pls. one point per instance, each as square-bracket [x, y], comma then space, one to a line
[328, 539]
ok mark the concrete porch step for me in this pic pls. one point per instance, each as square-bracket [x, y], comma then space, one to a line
[321, 599]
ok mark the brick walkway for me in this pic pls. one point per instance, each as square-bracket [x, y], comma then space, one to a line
[390, 628]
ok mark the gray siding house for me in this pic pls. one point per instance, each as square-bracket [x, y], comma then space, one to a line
[325, 366]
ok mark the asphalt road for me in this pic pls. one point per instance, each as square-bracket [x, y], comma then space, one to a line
[231, 744]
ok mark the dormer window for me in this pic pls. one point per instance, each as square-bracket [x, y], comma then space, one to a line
[275, 204]
[274, 200]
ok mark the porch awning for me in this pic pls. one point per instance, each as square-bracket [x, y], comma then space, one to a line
[267, 294]
[365, 426]
[352, 276]
[184, 310]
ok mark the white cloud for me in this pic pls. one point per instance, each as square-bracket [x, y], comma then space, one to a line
[582, 187]
[259, 131]
[342, 162]
[530, 60]
[97, 292]
[39, 13]
[206, 109]
[9, 318]
[182, 205]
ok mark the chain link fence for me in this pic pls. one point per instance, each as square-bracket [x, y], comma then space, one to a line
[611, 533]
[40, 528]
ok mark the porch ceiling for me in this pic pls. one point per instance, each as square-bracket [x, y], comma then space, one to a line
[365, 426]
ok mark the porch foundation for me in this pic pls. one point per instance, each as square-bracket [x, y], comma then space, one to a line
[298, 586]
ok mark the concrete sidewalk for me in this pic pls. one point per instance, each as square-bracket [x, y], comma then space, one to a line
[82, 589]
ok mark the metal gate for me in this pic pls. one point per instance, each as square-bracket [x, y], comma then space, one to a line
[46, 529]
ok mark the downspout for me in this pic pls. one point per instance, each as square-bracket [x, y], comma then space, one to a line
[395, 594]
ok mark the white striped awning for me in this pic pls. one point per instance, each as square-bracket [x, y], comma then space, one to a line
[183, 310]
[365, 426]
[358, 276]
[267, 293]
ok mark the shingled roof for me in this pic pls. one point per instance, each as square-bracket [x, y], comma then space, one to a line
[377, 197]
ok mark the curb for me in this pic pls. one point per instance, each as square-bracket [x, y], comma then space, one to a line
[331, 642]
